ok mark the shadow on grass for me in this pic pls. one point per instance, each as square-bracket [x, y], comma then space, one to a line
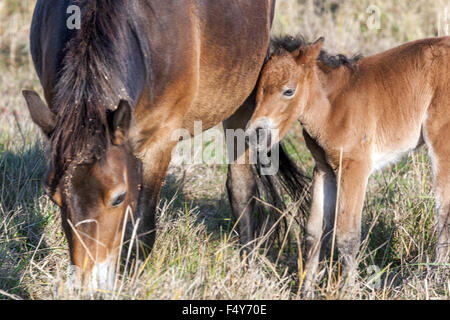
[22, 220]
[214, 211]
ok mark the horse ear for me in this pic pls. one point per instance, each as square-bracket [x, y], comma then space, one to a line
[310, 54]
[120, 121]
[39, 112]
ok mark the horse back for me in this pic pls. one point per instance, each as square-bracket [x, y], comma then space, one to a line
[389, 94]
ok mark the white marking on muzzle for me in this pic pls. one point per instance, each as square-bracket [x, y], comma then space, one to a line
[100, 278]
[103, 275]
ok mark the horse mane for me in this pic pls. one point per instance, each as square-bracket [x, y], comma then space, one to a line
[280, 44]
[90, 83]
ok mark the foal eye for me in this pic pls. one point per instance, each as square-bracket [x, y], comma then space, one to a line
[118, 200]
[289, 93]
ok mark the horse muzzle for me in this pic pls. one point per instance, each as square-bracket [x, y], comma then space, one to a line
[100, 279]
[260, 134]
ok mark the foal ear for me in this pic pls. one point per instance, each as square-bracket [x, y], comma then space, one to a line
[39, 112]
[310, 54]
[120, 121]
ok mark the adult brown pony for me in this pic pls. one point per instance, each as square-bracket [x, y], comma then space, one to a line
[359, 115]
[117, 89]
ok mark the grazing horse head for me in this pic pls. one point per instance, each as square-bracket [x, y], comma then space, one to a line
[284, 88]
[94, 182]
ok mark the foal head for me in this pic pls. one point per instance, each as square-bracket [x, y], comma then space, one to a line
[286, 84]
[94, 191]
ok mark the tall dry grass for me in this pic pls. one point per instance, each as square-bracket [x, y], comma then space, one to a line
[196, 253]
[350, 26]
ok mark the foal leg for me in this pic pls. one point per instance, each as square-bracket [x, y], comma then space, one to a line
[439, 152]
[352, 188]
[436, 133]
[241, 184]
[442, 191]
[319, 222]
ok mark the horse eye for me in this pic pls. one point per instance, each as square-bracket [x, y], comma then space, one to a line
[118, 200]
[289, 93]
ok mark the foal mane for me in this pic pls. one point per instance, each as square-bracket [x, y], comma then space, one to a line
[280, 44]
[90, 83]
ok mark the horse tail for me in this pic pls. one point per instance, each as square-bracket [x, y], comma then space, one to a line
[275, 211]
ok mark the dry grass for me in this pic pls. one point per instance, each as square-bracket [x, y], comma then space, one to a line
[196, 254]
[350, 27]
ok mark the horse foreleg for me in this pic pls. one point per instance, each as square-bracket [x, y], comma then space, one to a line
[155, 159]
[241, 184]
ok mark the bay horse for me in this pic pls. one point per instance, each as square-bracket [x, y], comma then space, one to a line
[359, 115]
[118, 87]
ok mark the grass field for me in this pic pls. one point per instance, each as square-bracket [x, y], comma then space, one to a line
[196, 254]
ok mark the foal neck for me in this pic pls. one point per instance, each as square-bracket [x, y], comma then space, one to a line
[325, 86]
[317, 107]
[332, 80]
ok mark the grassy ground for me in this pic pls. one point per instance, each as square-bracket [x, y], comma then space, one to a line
[196, 255]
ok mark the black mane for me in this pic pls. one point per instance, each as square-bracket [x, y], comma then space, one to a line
[90, 83]
[281, 44]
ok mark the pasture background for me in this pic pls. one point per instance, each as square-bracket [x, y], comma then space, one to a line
[195, 255]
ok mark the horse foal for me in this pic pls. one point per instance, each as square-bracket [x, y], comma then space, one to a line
[371, 111]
